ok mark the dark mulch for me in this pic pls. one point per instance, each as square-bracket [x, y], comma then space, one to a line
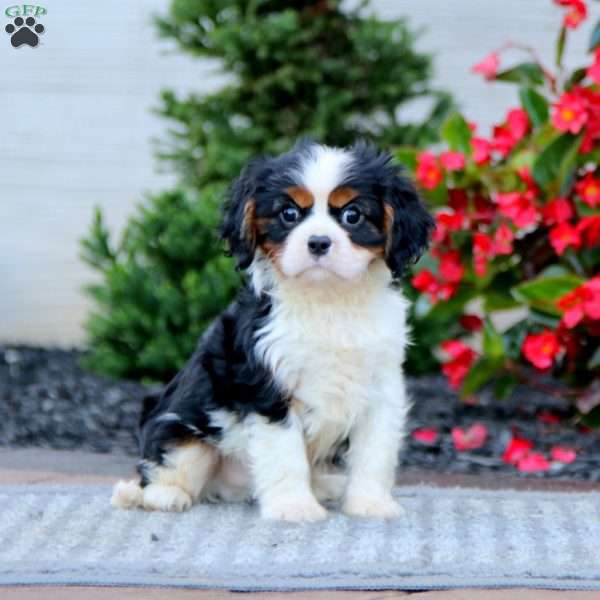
[48, 400]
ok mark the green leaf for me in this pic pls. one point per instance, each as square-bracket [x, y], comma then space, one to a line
[453, 307]
[525, 74]
[543, 292]
[495, 300]
[505, 385]
[560, 46]
[480, 374]
[535, 104]
[550, 161]
[576, 77]
[407, 156]
[457, 134]
[595, 37]
[493, 344]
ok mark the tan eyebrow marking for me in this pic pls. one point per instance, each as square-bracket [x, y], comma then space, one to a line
[341, 196]
[301, 196]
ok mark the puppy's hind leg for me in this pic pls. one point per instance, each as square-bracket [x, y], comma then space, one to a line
[173, 485]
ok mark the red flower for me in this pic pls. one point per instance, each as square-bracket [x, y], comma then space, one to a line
[532, 191]
[564, 236]
[481, 150]
[462, 359]
[517, 207]
[518, 123]
[502, 140]
[557, 211]
[458, 200]
[453, 161]
[484, 210]
[533, 462]
[488, 67]
[592, 130]
[593, 71]
[517, 449]
[428, 172]
[570, 112]
[503, 240]
[572, 306]
[540, 349]
[451, 268]
[446, 291]
[425, 435]
[588, 189]
[426, 283]
[589, 230]
[445, 222]
[471, 322]
[469, 439]
[563, 454]
[577, 12]
[482, 251]
[583, 301]
[571, 342]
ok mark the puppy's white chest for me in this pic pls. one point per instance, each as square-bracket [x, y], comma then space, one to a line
[331, 357]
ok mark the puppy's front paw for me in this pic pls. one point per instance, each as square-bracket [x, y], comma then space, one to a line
[293, 509]
[382, 506]
[169, 498]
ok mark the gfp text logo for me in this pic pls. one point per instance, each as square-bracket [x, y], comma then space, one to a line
[24, 29]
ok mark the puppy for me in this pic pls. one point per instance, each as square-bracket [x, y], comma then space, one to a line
[295, 395]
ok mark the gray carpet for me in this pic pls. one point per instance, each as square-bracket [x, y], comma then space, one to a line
[448, 538]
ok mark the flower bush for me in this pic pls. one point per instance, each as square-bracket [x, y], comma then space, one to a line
[518, 229]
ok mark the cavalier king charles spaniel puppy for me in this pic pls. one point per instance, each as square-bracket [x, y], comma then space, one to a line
[294, 396]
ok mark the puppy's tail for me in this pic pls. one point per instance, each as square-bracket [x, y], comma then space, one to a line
[127, 494]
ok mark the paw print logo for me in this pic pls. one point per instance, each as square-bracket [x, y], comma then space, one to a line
[24, 32]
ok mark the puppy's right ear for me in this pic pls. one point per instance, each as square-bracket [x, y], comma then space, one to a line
[238, 216]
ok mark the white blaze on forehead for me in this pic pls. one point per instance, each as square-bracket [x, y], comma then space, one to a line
[323, 170]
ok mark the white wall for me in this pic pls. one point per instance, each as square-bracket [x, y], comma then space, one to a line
[77, 127]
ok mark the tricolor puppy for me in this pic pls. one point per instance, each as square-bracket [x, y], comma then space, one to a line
[295, 395]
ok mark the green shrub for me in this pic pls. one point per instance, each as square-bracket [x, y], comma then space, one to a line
[297, 68]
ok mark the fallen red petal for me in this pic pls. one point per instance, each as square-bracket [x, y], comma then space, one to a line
[516, 450]
[533, 462]
[563, 454]
[425, 435]
[469, 439]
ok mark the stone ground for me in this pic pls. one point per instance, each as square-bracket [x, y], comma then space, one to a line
[41, 466]
[48, 400]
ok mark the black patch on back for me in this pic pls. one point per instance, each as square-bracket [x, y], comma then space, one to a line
[222, 374]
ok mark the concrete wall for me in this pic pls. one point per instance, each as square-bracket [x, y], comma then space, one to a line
[77, 128]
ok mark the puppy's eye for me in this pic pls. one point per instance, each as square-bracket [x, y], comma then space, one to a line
[352, 216]
[290, 215]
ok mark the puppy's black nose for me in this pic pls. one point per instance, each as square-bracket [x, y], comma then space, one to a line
[318, 244]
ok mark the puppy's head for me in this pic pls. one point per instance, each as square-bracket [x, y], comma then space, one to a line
[319, 213]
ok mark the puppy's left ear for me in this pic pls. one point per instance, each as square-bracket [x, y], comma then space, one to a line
[406, 222]
[238, 216]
